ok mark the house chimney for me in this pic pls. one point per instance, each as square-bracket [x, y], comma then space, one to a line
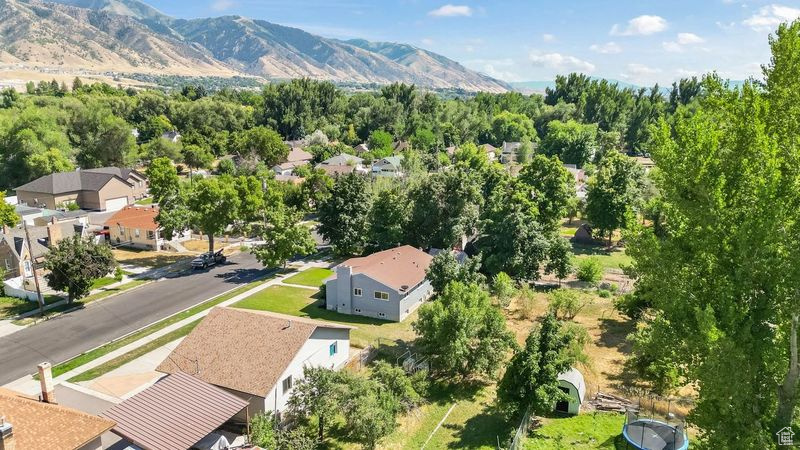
[46, 381]
[6, 230]
[6, 435]
[53, 234]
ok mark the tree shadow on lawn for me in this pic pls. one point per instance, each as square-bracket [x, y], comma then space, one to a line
[482, 430]
[614, 333]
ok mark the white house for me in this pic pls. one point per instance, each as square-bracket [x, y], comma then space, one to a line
[571, 383]
[391, 166]
[257, 355]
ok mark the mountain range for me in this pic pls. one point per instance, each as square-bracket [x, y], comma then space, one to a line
[130, 36]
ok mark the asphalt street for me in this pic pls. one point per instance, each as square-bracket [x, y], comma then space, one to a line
[71, 334]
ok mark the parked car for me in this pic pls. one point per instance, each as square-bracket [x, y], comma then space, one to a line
[208, 259]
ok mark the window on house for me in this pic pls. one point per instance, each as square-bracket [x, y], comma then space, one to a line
[151, 234]
[357, 292]
[136, 232]
[333, 349]
[8, 264]
[287, 384]
[381, 295]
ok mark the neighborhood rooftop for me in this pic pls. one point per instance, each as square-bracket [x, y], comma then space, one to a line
[397, 268]
[40, 425]
[175, 413]
[141, 217]
[243, 350]
[79, 180]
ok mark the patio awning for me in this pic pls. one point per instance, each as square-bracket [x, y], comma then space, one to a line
[175, 413]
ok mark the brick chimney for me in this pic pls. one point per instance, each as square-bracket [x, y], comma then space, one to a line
[53, 234]
[6, 435]
[46, 381]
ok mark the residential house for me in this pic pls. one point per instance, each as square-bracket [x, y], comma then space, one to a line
[361, 149]
[391, 166]
[136, 227]
[257, 355]
[388, 285]
[400, 146]
[491, 151]
[178, 412]
[103, 189]
[16, 258]
[580, 180]
[297, 157]
[342, 164]
[30, 423]
[645, 162]
[509, 151]
[571, 383]
[172, 136]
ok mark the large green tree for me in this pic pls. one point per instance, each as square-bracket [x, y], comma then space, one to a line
[162, 179]
[531, 379]
[571, 142]
[462, 333]
[284, 237]
[613, 193]
[722, 277]
[551, 186]
[8, 214]
[344, 215]
[261, 142]
[388, 218]
[73, 264]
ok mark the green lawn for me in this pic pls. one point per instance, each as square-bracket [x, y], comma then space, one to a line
[11, 306]
[311, 277]
[584, 431]
[305, 303]
[103, 282]
[91, 355]
[123, 359]
[145, 201]
[609, 260]
[109, 292]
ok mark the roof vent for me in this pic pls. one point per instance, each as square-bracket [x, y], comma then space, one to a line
[403, 288]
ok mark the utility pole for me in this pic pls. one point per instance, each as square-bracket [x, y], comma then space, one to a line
[33, 267]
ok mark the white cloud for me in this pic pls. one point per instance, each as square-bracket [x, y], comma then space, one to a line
[492, 71]
[641, 26]
[222, 5]
[769, 17]
[451, 11]
[608, 48]
[689, 38]
[547, 37]
[561, 62]
[684, 73]
[672, 47]
[640, 72]
[427, 41]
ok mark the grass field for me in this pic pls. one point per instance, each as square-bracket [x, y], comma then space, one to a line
[11, 306]
[103, 282]
[145, 201]
[312, 277]
[584, 431]
[306, 303]
[91, 355]
[608, 259]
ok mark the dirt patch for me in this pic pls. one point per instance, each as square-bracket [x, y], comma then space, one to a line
[145, 258]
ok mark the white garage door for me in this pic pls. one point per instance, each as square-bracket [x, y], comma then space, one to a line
[115, 204]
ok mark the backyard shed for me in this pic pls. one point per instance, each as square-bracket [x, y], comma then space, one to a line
[571, 383]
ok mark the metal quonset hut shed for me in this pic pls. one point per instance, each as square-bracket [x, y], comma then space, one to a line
[573, 384]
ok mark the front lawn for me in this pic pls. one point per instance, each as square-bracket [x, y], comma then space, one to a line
[307, 303]
[312, 277]
[103, 282]
[11, 306]
[584, 431]
[145, 201]
[608, 259]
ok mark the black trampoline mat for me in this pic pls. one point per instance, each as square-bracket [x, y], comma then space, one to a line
[654, 435]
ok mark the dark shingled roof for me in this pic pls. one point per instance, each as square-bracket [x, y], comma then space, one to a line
[175, 413]
[80, 180]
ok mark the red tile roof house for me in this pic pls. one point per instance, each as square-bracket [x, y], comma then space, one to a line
[387, 285]
[136, 227]
[258, 355]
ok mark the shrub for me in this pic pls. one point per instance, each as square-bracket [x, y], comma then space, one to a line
[590, 270]
[604, 293]
[565, 304]
[262, 430]
[118, 273]
[527, 302]
[503, 289]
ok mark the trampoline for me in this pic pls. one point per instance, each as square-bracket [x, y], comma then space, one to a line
[648, 434]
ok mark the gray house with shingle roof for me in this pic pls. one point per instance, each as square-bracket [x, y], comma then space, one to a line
[387, 285]
[103, 189]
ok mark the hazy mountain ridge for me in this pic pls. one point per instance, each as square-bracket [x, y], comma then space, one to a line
[130, 36]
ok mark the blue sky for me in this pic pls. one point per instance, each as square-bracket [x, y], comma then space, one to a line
[637, 41]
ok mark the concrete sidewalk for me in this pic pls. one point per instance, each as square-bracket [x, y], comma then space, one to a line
[27, 385]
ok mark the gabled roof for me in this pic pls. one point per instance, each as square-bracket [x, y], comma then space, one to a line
[123, 173]
[39, 425]
[79, 180]
[489, 148]
[15, 237]
[575, 378]
[398, 268]
[361, 148]
[243, 350]
[175, 413]
[395, 161]
[141, 217]
[342, 159]
[297, 154]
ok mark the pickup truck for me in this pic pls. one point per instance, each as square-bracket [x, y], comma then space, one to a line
[208, 259]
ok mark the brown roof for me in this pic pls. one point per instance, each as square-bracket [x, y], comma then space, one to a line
[175, 413]
[142, 217]
[397, 267]
[297, 154]
[240, 349]
[43, 425]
